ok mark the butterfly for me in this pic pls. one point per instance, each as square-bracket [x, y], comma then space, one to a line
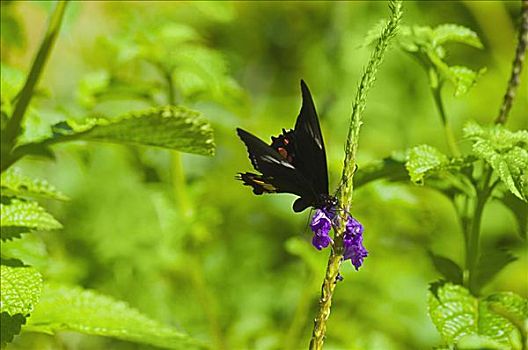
[294, 162]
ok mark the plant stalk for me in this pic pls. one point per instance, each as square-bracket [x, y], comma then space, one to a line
[473, 236]
[345, 189]
[325, 302]
[450, 137]
[24, 97]
[14, 124]
[517, 66]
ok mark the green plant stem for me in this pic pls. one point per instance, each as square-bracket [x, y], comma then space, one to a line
[517, 66]
[450, 137]
[14, 124]
[179, 185]
[178, 174]
[349, 167]
[325, 302]
[186, 208]
[473, 235]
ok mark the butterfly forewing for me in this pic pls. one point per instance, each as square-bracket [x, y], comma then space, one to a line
[309, 144]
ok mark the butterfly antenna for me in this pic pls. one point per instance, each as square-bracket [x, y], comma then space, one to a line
[341, 182]
[339, 208]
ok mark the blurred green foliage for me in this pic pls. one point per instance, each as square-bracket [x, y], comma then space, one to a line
[176, 237]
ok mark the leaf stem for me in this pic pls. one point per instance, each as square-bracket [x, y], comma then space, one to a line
[517, 66]
[345, 189]
[14, 124]
[450, 137]
[473, 235]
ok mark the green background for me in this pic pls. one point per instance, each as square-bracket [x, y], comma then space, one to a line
[187, 244]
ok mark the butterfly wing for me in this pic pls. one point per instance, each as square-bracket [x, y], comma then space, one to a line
[310, 155]
[278, 175]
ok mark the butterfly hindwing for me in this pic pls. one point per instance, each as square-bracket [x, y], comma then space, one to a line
[278, 175]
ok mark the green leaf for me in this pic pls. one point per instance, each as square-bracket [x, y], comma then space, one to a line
[447, 267]
[505, 151]
[30, 249]
[459, 316]
[19, 293]
[85, 311]
[15, 183]
[463, 78]
[10, 326]
[426, 45]
[20, 216]
[453, 311]
[519, 210]
[502, 317]
[424, 160]
[478, 342]
[21, 287]
[170, 127]
[455, 33]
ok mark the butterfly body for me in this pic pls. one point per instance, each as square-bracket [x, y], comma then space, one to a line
[294, 162]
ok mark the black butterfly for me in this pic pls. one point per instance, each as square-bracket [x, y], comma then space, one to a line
[294, 162]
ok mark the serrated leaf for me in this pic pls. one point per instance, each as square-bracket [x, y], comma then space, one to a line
[21, 288]
[170, 127]
[447, 267]
[30, 249]
[453, 311]
[505, 151]
[502, 316]
[423, 160]
[463, 78]
[20, 216]
[74, 309]
[426, 45]
[458, 315]
[509, 305]
[15, 183]
[19, 293]
[455, 33]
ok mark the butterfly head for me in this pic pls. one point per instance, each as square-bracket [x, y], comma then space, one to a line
[329, 203]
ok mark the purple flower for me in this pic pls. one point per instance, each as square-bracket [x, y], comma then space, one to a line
[321, 241]
[353, 227]
[353, 242]
[321, 225]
